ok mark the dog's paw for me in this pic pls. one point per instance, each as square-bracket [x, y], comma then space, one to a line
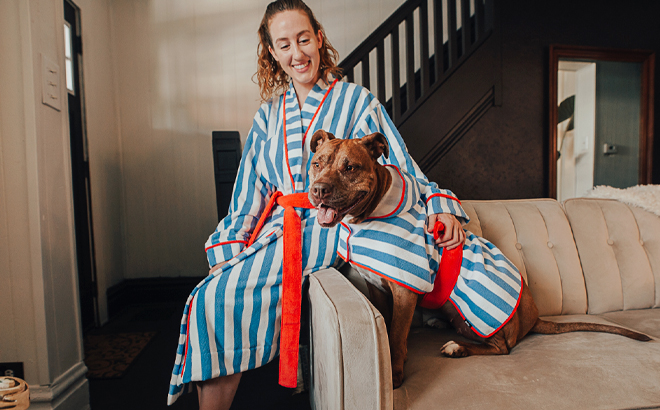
[397, 379]
[453, 349]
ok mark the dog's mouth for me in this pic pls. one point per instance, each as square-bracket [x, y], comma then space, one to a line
[329, 216]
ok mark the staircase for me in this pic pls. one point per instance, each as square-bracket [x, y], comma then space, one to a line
[435, 65]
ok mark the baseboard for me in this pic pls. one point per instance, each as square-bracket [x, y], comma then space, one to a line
[133, 292]
[70, 391]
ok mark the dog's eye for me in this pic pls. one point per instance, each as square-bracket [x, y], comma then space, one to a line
[351, 167]
[316, 164]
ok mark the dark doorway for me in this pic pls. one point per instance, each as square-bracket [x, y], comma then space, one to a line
[80, 169]
[614, 144]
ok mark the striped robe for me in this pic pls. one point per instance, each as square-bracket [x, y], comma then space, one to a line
[393, 244]
[231, 321]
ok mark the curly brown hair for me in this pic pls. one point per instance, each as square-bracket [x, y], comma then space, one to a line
[271, 78]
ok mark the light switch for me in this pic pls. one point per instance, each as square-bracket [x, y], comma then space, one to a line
[50, 83]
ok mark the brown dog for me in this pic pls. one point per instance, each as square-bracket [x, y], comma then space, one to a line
[346, 179]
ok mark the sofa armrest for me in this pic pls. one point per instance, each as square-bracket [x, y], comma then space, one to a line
[350, 352]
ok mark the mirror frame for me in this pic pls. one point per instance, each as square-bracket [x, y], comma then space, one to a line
[647, 58]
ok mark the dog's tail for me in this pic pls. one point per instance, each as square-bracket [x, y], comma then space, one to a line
[551, 328]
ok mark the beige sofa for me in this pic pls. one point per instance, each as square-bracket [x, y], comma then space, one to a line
[586, 260]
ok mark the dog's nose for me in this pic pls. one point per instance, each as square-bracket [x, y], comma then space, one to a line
[321, 190]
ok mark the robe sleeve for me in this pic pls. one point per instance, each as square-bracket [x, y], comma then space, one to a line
[376, 119]
[249, 198]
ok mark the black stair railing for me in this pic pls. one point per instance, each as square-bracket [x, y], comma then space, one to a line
[427, 72]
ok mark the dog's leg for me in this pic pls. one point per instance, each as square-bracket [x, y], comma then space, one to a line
[382, 302]
[404, 302]
[499, 343]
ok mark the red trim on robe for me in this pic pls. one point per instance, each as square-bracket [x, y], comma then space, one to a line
[185, 354]
[403, 195]
[224, 243]
[522, 283]
[443, 196]
[286, 145]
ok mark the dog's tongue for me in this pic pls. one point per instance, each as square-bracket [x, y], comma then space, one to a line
[326, 215]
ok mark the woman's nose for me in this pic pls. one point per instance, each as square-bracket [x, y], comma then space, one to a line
[297, 52]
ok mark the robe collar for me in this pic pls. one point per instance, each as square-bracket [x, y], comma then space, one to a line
[298, 154]
[399, 198]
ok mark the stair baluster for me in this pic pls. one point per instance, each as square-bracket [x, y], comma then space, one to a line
[476, 25]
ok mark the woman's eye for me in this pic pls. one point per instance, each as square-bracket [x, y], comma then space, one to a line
[284, 47]
[304, 41]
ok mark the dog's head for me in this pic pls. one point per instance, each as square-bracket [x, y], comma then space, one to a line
[343, 175]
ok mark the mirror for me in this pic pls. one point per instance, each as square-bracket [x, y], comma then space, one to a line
[601, 126]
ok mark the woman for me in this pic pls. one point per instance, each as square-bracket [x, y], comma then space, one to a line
[231, 322]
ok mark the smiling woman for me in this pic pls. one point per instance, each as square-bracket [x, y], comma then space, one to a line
[243, 315]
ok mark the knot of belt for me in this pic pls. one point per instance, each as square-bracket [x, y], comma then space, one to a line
[291, 280]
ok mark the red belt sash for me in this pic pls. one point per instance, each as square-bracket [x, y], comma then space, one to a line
[447, 276]
[291, 280]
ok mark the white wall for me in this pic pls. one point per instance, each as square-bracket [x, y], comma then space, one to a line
[184, 69]
[40, 318]
[21, 292]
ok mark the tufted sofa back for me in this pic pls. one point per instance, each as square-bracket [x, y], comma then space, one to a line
[616, 246]
[619, 247]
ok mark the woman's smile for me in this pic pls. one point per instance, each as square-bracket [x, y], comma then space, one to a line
[302, 67]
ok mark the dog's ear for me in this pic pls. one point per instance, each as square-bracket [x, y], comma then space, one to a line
[318, 139]
[377, 145]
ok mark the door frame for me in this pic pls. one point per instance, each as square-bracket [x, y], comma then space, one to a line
[647, 59]
[81, 185]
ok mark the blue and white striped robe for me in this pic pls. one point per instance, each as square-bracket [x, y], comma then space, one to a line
[394, 244]
[231, 322]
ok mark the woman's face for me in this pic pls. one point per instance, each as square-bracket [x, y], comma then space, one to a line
[296, 47]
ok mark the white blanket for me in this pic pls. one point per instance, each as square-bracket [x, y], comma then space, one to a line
[643, 196]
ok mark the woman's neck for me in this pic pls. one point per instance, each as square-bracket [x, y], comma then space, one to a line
[302, 91]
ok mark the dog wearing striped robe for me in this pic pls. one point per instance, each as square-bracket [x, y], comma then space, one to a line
[383, 235]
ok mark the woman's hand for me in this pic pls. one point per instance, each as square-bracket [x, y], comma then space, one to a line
[216, 267]
[453, 236]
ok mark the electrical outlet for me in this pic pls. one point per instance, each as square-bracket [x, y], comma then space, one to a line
[12, 370]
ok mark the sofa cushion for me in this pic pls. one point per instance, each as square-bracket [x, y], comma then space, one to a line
[536, 237]
[619, 249]
[580, 370]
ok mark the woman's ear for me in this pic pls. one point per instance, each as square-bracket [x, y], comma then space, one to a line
[272, 52]
[319, 37]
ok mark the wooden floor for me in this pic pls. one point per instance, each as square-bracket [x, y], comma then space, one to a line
[145, 384]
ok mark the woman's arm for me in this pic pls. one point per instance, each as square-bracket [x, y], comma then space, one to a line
[249, 197]
[438, 201]
[442, 204]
